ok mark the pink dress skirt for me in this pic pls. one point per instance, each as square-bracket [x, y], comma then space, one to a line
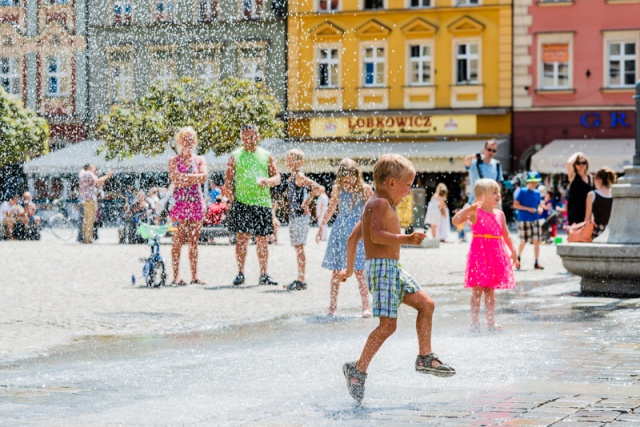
[488, 264]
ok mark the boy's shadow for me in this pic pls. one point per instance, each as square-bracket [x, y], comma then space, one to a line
[217, 288]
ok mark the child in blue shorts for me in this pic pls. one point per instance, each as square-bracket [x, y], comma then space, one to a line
[390, 286]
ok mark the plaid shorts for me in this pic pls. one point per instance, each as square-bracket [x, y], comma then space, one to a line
[528, 231]
[388, 284]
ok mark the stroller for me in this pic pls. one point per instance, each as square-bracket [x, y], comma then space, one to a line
[153, 269]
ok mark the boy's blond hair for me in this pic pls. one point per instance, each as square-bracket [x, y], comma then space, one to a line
[484, 186]
[391, 166]
[296, 154]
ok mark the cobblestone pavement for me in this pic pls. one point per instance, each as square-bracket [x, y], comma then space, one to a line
[216, 355]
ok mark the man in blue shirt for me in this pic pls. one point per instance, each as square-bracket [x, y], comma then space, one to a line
[528, 205]
[484, 166]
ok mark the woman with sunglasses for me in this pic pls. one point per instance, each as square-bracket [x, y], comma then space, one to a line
[580, 185]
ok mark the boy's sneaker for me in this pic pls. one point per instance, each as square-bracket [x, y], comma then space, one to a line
[355, 380]
[297, 285]
[265, 279]
[424, 364]
[239, 280]
[537, 266]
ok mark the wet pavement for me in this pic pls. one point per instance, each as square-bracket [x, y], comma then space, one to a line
[563, 360]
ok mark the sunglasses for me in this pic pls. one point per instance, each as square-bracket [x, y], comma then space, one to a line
[581, 163]
[491, 150]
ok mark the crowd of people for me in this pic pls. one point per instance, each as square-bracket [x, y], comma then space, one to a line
[366, 236]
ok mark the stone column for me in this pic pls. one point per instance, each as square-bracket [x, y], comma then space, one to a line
[624, 226]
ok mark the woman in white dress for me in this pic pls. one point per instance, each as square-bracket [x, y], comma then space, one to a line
[438, 214]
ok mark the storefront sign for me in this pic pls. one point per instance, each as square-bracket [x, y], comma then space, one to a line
[594, 120]
[393, 126]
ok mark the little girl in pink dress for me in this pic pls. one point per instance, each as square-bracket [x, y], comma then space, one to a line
[489, 265]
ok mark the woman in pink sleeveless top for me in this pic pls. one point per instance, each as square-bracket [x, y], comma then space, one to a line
[187, 172]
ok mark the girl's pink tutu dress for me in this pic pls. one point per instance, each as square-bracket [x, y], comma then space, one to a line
[488, 264]
[189, 202]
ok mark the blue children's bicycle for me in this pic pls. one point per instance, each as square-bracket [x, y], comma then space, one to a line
[153, 269]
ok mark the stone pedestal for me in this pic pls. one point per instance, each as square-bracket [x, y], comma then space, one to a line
[612, 268]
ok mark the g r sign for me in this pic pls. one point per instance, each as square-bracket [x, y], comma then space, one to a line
[593, 120]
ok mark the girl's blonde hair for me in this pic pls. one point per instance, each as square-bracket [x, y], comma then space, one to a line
[180, 135]
[349, 168]
[442, 190]
[484, 186]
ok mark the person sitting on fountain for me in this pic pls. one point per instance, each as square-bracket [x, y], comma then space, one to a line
[600, 201]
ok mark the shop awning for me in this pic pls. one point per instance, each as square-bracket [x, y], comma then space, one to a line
[612, 153]
[440, 156]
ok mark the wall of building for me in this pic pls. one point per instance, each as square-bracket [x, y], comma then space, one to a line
[127, 56]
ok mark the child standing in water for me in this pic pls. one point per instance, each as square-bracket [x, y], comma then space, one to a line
[488, 264]
[299, 198]
[349, 194]
[390, 286]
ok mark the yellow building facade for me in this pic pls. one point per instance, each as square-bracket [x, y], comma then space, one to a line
[432, 73]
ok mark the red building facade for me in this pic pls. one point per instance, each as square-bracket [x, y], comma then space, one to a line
[575, 69]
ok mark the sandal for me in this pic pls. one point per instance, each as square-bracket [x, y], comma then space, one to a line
[424, 364]
[198, 282]
[179, 283]
[355, 380]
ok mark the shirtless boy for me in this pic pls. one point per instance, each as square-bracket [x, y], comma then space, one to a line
[390, 286]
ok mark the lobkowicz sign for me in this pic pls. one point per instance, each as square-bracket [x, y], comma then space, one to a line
[393, 125]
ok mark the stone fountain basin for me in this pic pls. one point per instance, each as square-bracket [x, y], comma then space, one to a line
[607, 269]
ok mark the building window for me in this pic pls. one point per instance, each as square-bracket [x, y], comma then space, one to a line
[209, 10]
[467, 63]
[420, 64]
[467, 2]
[9, 2]
[374, 64]
[122, 77]
[57, 76]
[10, 75]
[420, 3]
[252, 62]
[163, 68]
[328, 5]
[122, 12]
[373, 4]
[252, 9]
[555, 66]
[328, 67]
[621, 64]
[165, 11]
[208, 66]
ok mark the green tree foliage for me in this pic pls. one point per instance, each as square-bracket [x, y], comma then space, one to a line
[217, 113]
[22, 133]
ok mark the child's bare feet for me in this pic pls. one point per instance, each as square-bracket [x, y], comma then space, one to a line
[332, 311]
[495, 328]
[366, 313]
[474, 328]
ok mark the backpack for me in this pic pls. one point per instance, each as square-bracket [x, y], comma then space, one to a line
[498, 167]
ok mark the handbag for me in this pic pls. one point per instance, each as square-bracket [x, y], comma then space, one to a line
[581, 232]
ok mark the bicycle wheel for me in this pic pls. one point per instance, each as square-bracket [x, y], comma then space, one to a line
[157, 276]
[61, 227]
